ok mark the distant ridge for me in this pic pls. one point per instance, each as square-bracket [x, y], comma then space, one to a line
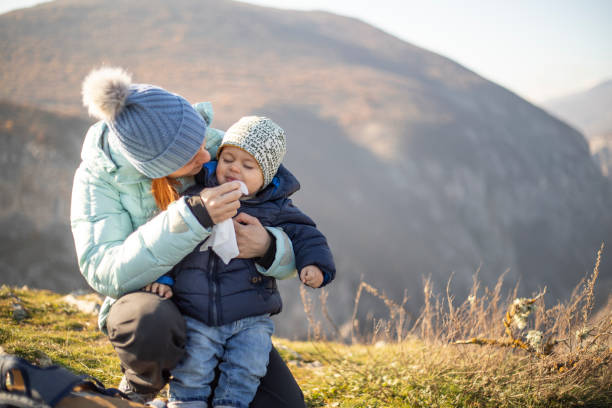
[590, 112]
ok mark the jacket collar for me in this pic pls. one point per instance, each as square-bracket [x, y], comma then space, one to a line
[283, 185]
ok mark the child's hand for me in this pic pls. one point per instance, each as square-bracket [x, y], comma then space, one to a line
[162, 290]
[312, 276]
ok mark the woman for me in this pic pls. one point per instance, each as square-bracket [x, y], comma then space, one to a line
[130, 226]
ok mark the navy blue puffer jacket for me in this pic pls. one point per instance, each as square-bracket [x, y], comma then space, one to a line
[215, 293]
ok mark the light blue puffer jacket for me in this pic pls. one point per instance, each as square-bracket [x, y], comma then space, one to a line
[123, 242]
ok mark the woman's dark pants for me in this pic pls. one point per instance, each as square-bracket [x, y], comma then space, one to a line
[148, 334]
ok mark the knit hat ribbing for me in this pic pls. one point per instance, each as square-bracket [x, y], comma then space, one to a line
[261, 138]
[157, 131]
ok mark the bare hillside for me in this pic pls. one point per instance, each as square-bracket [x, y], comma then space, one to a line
[411, 164]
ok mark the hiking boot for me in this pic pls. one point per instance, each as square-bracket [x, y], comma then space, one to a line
[145, 399]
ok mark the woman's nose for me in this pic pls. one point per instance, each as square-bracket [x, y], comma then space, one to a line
[203, 155]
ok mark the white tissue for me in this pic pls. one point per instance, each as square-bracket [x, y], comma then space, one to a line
[223, 237]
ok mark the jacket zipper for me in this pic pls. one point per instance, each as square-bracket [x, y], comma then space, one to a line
[213, 286]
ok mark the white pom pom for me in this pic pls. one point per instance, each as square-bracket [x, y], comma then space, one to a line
[105, 91]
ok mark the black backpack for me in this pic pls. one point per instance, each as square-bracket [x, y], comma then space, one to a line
[24, 385]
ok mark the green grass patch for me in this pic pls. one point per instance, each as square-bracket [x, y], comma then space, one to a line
[55, 332]
[412, 373]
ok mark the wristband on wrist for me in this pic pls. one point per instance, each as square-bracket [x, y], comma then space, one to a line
[267, 259]
[197, 207]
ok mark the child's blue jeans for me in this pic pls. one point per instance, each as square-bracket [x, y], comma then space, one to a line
[241, 350]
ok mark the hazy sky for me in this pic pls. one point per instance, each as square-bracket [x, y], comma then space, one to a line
[539, 49]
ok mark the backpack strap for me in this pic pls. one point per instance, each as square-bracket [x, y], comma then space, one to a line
[44, 385]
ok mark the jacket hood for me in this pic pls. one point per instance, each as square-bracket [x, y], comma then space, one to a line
[99, 156]
[283, 184]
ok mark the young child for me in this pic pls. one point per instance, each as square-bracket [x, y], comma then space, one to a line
[227, 308]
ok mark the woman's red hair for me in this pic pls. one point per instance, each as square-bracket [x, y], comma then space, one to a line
[164, 191]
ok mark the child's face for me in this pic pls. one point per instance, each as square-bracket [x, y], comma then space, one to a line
[236, 164]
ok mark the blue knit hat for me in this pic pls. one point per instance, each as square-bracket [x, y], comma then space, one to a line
[157, 131]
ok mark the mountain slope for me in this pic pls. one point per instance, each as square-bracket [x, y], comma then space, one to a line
[39, 154]
[412, 165]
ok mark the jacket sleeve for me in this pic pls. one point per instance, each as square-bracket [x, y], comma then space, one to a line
[309, 244]
[114, 257]
[283, 266]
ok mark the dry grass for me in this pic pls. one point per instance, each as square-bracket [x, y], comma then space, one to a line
[489, 350]
[476, 353]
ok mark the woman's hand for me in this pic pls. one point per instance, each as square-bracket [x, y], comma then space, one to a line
[222, 202]
[252, 238]
[160, 289]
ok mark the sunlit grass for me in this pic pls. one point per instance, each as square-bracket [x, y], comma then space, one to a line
[429, 362]
[57, 331]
